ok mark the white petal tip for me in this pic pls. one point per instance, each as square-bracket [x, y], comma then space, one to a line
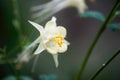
[53, 18]
[30, 21]
[56, 66]
[36, 53]
[37, 26]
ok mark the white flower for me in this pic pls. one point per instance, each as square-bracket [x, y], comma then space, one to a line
[54, 6]
[52, 39]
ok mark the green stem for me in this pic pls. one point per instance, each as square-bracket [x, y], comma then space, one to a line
[102, 29]
[105, 65]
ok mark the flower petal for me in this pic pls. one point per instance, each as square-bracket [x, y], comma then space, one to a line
[66, 42]
[52, 51]
[53, 19]
[52, 47]
[26, 53]
[37, 26]
[34, 42]
[39, 49]
[50, 32]
[24, 56]
[61, 31]
[55, 57]
[51, 23]
[63, 48]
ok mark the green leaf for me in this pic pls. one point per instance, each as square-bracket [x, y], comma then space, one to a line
[114, 26]
[93, 14]
[117, 13]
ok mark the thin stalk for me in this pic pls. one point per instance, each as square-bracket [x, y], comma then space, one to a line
[34, 64]
[105, 64]
[101, 30]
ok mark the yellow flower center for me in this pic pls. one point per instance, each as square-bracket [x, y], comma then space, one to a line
[58, 40]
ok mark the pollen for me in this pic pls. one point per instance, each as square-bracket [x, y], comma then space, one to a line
[58, 40]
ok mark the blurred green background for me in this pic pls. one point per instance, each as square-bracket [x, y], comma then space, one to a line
[81, 32]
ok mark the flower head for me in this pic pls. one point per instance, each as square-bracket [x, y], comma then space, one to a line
[52, 39]
[56, 5]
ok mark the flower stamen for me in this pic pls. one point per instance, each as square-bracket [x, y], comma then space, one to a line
[58, 40]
